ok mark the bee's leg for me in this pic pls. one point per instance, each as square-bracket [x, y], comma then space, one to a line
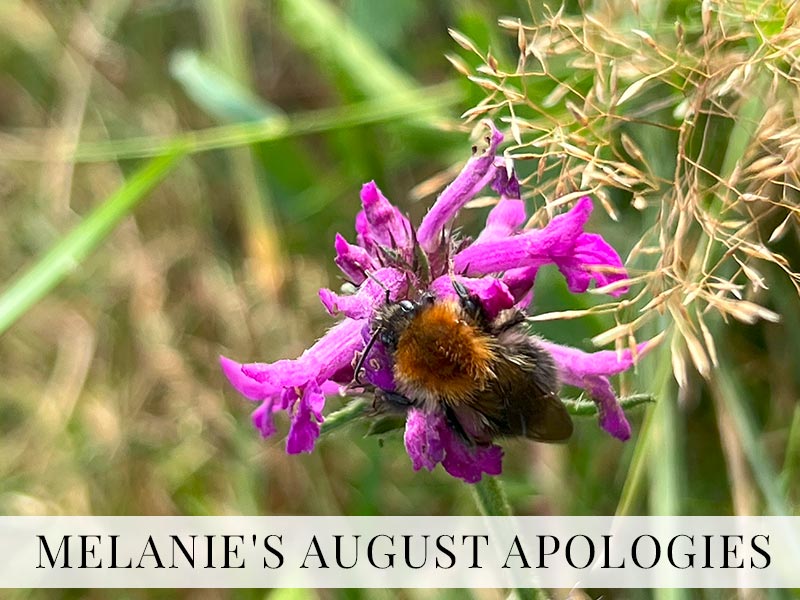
[391, 400]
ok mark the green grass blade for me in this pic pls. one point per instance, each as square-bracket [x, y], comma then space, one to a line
[72, 249]
[641, 461]
[791, 462]
[327, 35]
[666, 465]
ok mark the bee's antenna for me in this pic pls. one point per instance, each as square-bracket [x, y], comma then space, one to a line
[371, 342]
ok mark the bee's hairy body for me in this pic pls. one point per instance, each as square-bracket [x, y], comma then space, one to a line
[490, 377]
[442, 357]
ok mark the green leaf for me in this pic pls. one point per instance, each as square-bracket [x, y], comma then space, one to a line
[385, 424]
[352, 411]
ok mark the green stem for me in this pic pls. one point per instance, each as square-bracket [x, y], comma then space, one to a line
[587, 408]
[491, 499]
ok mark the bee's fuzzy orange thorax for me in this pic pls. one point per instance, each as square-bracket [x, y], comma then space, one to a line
[442, 355]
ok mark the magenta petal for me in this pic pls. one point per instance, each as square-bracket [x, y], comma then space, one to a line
[587, 261]
[378, 365]
[505, 182]
[577, 364]
[330, 300]
[532, 248]
[364, 235]
[258, 381]
[246, 386]
[388, 227]
[304, 429]
[422, 439]
[354, 261]
[479, 172]
[278, 384]
[504, 219]
[262, 418]
[493, 294]
[470, 462]
[590, 371]
[334, 350]
[288, 398]
[331, 353]
[333, 387]
[520, 283]
[612, 417]
[369, 296]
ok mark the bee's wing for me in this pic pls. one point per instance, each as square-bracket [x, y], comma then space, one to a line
[544, 419]
[526, 387]
[515, 410]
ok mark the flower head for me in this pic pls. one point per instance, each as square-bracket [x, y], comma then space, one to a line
[390, 261]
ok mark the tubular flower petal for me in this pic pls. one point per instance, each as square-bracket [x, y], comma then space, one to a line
[520, 283]
[479, 172]
[591, 258]
[423, 440]
[579, 256]
[590, 371]
[354, 261]
[279, 385]
[304, 430]
[387, 226]
[262, 418]
[505, 180]
[364, 235]
[531, 248]
[504, 219]
[371, 295]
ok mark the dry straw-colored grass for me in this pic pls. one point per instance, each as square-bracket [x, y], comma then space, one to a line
[695, 126]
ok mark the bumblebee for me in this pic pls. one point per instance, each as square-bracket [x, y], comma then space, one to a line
[489, 377]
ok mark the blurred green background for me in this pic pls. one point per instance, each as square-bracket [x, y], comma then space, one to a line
[267, 118]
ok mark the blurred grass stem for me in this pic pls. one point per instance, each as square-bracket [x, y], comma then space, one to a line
[255, 212]
[388, 108]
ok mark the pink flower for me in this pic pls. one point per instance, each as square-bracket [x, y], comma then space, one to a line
[499, 267]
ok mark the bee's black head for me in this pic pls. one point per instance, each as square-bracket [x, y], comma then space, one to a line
[393, 320]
